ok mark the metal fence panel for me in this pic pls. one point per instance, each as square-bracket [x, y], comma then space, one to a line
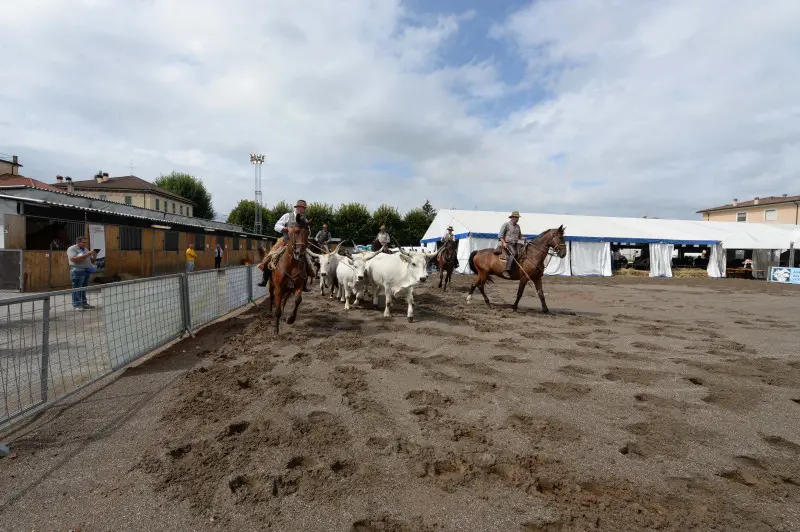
[238, 294]
[255, 278]
[49, 349]
[141, 316]
[206, 295]
[11, 269]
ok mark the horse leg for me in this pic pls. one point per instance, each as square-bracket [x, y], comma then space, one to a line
[441, 277]
[410, 301]
[270, 298]
[522, 283]
[278, 311]
[298, 298]
[538, 282]
[447, 278]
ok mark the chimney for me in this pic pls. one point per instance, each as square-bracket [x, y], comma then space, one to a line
[735, 202]
[70, 186]
[59, 179]
[784, 195]
[15, 166]
[98, 177]
[105, 177]
[755, 200]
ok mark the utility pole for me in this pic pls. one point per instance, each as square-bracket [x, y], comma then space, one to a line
[257, 159]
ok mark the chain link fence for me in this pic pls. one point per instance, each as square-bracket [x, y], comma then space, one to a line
[50, 349]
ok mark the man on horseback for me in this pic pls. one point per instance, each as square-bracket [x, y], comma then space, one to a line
[449, 240]
[511, 242]
[383, 238]
[323, 238]
[282, 226]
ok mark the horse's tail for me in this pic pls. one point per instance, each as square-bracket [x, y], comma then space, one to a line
[474, 269]
[472, 262]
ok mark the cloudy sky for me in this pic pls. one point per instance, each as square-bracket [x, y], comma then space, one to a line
[606, 107]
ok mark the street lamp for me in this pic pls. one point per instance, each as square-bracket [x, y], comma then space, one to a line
[257, 159]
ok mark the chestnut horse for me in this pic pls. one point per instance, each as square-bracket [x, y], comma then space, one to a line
[486, 263]
[290, 274]
[446, 262]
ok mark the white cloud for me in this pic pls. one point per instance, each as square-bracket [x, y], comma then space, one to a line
[651, 108]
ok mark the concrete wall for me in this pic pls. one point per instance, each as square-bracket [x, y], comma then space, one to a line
[787, 214]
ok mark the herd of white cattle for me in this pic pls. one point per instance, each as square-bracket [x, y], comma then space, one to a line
[372, 272]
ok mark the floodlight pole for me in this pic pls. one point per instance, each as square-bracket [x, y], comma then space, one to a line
[257, 159]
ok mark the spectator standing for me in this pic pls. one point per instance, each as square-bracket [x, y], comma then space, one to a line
[218, 256]
[81, 266]
[191, 255]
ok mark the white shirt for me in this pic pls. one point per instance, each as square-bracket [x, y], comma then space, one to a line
[284, 220]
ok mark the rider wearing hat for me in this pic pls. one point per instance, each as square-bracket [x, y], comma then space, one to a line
[282, 226]
[447, 238]
[511, 241]
[383, 237]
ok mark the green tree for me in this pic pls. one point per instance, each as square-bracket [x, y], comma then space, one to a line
[320, 213]
[415, 222]
[388, 216]
[189, 187]
[429, 211]
[244, 214]
[353, 223]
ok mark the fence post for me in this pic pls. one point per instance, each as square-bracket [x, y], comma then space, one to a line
[187, 310]
[44, 369]
[250, 283]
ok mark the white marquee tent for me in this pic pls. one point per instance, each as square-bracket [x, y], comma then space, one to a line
[589, 239]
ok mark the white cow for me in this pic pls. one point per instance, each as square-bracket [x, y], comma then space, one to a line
[391, 274]
[327, 271]
[351, 276]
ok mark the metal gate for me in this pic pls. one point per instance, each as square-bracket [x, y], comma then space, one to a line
[12, 276]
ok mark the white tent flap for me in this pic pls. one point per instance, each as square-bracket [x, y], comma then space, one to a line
[557, 265]
[716, 262]
[591, 258]
[661, 260]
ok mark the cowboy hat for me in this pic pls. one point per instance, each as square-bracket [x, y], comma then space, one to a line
[300, 203]
[450, 228]
[514, 214]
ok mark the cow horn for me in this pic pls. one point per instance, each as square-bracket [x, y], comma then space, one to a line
[315, 255]
[429, 256]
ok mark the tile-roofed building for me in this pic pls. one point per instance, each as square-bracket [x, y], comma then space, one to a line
[12, 180]
[783, 209]
[9, 164]
[128, 189]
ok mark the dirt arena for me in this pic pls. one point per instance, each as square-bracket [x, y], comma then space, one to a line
[639, 404]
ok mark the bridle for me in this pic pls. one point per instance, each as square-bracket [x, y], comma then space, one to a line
[298, 248]
[553, 250]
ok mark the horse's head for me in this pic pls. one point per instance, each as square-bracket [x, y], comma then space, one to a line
[555, 240]
[298, 237]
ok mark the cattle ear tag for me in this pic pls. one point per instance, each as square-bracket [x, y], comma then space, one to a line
[403, 258]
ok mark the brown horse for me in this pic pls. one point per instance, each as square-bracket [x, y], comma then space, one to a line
[290, 274]
[446, 262]
[486, 263]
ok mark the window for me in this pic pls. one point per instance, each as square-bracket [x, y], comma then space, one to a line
[199, 242]
[181, 210]
[128, 200]
[171, 241]
[158, 204]
[221, 241]
[741, 216]
[130, 238]
[770, 215]
[188, 211]
[236, 243]
[173, 207]
[249, 244]
[45, 234]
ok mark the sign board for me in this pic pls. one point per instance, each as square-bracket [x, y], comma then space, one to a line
[97, 240]
[781, 274]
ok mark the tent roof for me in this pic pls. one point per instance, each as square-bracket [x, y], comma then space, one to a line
[486, 224]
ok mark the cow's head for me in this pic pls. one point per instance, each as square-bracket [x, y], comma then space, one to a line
[417, 265]
[359, 265]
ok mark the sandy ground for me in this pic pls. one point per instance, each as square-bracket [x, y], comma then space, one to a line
[639, 404]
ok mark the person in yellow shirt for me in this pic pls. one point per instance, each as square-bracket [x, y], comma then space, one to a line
[191, 255]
